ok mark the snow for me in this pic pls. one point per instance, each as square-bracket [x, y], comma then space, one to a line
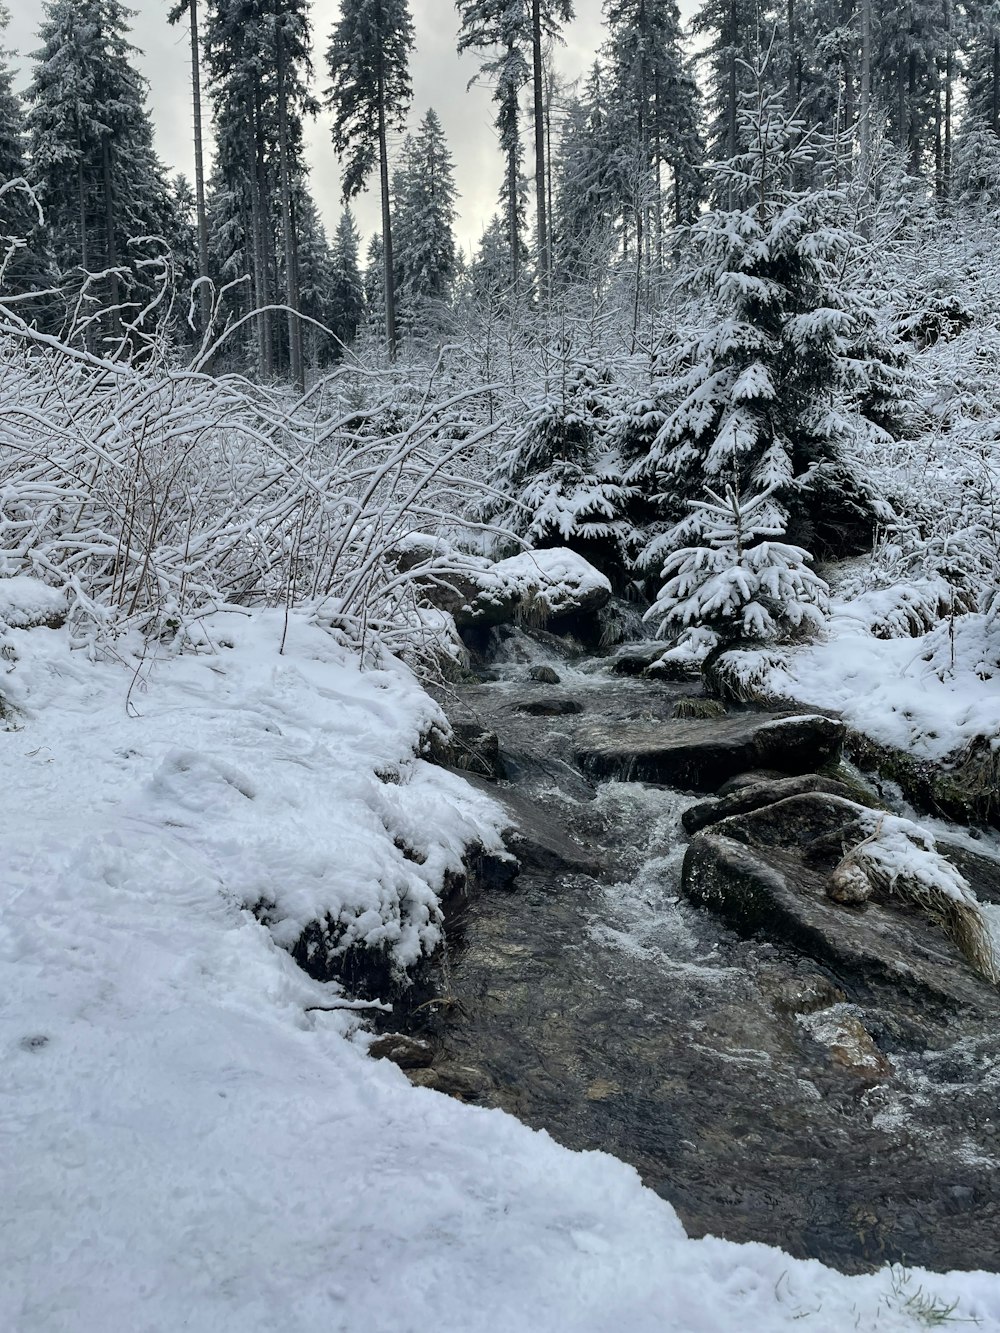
[26, 601]
[902, 692]
[188, 1141]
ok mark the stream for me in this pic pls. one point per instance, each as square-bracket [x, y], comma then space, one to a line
[588, 998]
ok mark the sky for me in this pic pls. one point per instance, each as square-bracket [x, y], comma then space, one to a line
[440, 77]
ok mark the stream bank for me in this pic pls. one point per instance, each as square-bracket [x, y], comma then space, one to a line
[771, 1092]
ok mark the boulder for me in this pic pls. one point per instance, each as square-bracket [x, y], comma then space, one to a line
[762, 873]
[407, 1052]
[553, 706]
[554, 584]
[754, 795]
[699, 754]
[544, 675]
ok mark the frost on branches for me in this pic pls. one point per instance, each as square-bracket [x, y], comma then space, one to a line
[738, 582]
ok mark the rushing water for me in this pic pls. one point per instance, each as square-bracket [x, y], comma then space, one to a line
[591, 1000]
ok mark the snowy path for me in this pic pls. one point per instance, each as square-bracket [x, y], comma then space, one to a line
[183, 1145]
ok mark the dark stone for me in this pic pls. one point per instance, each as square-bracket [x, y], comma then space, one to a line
[634, 661]
[700, 755]
[544, 675]
[549, 707]
[754, 795]
[407, 1052]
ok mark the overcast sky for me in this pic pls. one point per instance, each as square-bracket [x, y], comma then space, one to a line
[439, 81]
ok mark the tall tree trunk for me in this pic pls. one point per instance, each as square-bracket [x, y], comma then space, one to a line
[288, 234]
[912, 132]
[542, 232]
[995, 109]
[949, 77]
[731, 140]
[204, 302]
[262, 274]
[865, 109]
[549, 94]
[383, 166]
[109, 227]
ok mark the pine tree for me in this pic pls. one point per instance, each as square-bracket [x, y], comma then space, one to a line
[589, 186]
[347, 290]
[658, 97]
[764, 399]
[190, 9]
[26, 265]
[423, 226]
[512, 32]
[735, 579]
[92, 151]
[370, 92]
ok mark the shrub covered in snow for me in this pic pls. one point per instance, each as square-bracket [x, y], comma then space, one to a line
[738, 582]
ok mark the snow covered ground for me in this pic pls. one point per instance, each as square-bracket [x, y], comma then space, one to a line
[928, 694]
[187, 1142]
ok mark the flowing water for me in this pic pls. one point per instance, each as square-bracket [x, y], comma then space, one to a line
[589, 999]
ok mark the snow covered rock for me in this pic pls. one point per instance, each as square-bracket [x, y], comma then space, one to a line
[537, 586]
[27, 602]
[553, 583]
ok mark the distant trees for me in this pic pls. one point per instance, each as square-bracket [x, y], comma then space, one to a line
[26, 266]
[258, 58]
[91, 147]
[370, 92]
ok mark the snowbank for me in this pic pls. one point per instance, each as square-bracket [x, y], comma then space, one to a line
[25, 601]
[188, 1143]
[928, 695]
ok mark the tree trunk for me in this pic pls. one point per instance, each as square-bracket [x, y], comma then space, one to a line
[865, 109]
[949, 76]
[912, 134]
[204, 302]
[109, 227]
[383, 164]
[537, 76]
[259, 213]
[295, 363]
[995, 117]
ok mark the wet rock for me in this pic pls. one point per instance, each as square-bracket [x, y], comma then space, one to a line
[742, 780]
[544, 675]
[551, 707]
[753, 795]
[634, 660]
[850, 1044]
[701, 754]
[699, 708]
[407, 1052]
[464, 1082]
[979, 866]
[802, 994]
[750, 870]
[475, 749]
